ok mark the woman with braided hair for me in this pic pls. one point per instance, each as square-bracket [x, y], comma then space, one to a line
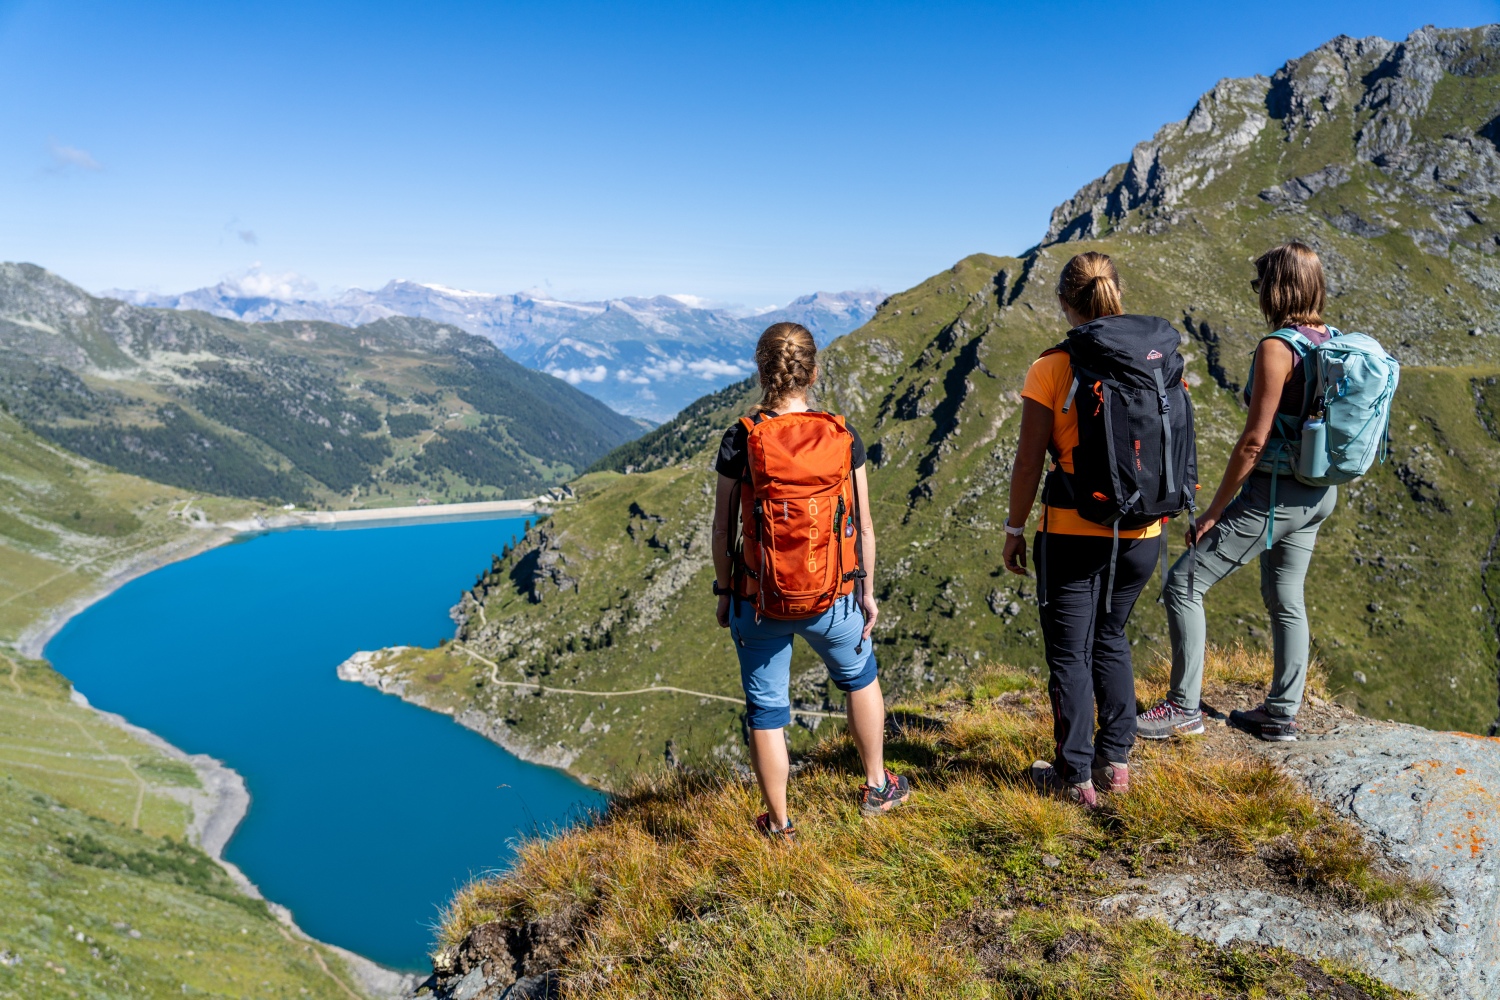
[794, 480]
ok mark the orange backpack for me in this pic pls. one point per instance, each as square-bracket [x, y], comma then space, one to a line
[798, 553]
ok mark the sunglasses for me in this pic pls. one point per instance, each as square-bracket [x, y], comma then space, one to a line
[1255, 285]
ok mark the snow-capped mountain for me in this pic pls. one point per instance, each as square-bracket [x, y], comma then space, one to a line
[647, 357]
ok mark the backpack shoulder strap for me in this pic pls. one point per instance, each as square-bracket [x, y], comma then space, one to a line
[1295, 339]
[1298, 342]
[1062, 348]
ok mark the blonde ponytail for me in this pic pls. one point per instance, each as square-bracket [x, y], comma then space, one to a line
[1090, 286]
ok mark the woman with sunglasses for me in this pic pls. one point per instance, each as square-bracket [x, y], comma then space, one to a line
[1258, 487]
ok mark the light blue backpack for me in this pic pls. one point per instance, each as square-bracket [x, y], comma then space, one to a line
[1345, 425]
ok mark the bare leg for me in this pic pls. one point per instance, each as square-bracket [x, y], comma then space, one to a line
[867, 726]
[768, 757]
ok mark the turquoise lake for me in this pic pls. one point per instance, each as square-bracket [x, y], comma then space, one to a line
[365, 812]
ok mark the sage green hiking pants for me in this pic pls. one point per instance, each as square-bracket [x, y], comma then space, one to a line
[1235, 540]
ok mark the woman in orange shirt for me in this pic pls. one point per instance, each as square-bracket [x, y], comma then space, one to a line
[1083, 618]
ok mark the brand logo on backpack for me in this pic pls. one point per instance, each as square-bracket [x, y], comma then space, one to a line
[1154, 356]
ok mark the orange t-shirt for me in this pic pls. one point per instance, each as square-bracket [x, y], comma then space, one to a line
[1047, 381]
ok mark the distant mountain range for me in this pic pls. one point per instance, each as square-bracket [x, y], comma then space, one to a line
[298, 411]
[647, 357]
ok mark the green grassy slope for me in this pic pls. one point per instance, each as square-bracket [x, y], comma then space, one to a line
[100, 893]
[977, 888]
[611, 593]
[297, 411]
[67, 523]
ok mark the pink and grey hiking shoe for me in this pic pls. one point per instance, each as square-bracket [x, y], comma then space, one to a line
[1111, 777]
[1167, 719]
[879, 801]
[1045, 779]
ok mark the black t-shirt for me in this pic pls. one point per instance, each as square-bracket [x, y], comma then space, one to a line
[731, 461]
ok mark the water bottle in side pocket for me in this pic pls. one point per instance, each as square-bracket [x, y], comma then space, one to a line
[1312, 457]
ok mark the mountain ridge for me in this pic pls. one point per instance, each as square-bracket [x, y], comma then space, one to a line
[300, 411]
[648, 356]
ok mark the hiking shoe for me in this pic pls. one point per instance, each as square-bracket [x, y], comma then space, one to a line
[878, 801]
[1261, 722]
[1045, 779]
[1111, 777]
[1168, 719]
[785, 835]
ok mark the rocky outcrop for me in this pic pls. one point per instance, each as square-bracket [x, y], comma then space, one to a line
[1378, 89]
[497, 961]
[1428, 800]
[1182, 157]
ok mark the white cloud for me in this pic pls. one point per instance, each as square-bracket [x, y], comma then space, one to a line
[668, 368]
[66, 158]
[712, 368]
[257, 283]
[573, 376]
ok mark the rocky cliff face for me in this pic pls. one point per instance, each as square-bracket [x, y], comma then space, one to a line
[1368, 102]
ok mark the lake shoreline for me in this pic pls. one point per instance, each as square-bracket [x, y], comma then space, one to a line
[34, 638]
[363, 668]
[210, 535]
[218, 808]
[221, 804]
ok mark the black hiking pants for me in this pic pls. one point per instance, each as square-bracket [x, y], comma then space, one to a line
[1088, 655]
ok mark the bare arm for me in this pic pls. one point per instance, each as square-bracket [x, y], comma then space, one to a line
[1273, 368]
[1026, 476]
[722, 533]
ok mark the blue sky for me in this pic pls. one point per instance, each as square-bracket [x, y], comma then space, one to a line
[743, 153]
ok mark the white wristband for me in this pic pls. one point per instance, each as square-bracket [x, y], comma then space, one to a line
[1015, 532]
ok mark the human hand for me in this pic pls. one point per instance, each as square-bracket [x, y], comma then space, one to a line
[1201, 528]
[1015, 554]
[723, 612]
[867, 603]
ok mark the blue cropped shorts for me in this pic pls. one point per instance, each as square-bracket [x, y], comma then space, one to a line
[765, 652]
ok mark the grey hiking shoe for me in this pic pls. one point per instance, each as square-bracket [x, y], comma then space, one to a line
[1167, 719]
[1111, 777]
[1046, 780]
[1261, 722]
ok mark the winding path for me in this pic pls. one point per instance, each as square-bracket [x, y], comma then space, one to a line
[653, 689]
[104, 754]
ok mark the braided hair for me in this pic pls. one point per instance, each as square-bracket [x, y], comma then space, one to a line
[787, 360]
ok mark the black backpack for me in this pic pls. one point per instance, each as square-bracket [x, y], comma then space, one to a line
[1137, 456]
